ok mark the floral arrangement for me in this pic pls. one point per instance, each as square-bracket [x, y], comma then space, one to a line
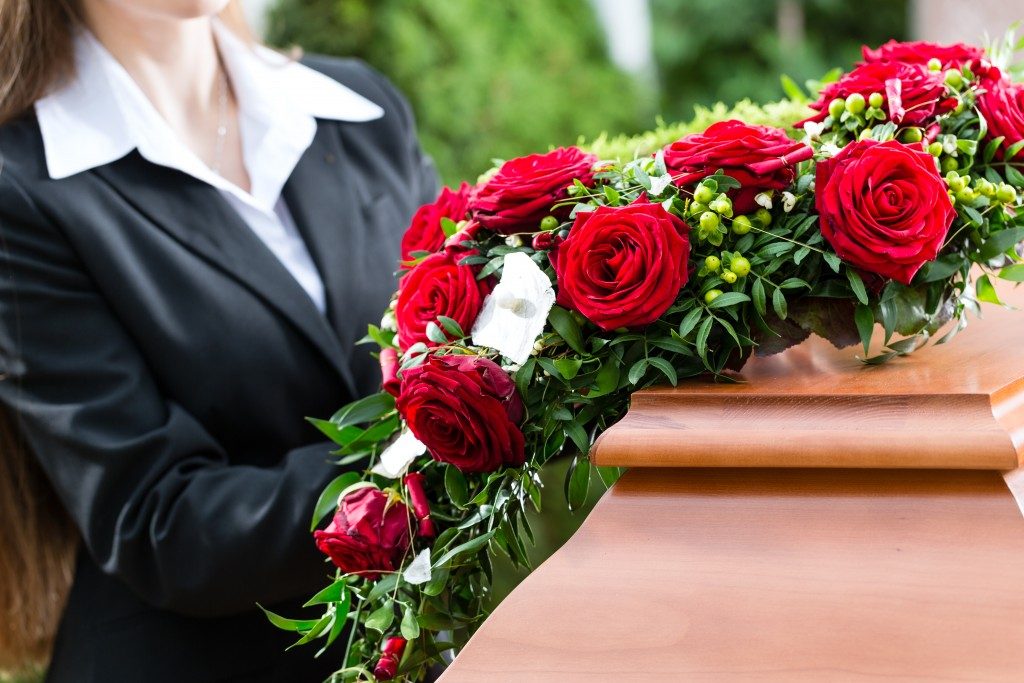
[532, 304]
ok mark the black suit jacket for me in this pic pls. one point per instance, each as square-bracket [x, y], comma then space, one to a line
[161, 360]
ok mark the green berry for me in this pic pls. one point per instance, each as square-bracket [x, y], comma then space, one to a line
[741, 225]
[954, 78]
[948, 164]
[935, 149]
[836, 107]
[696, 208]
[956, 182]
[865, 134]
[703, 194]
[709, 221]
[876, 100]
[711, 295]
[855, 103]
[763, 216]
[934, 64]
[722, 205]
[912, 135]
[740, 266]
[1006, 194]
[966, 196]
[548, 223]
[713, 263]
[729, 276]
[985, 188]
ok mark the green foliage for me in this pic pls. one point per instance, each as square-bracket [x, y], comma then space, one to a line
[486, 79]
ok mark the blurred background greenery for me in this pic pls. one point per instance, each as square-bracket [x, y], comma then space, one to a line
[495, 80]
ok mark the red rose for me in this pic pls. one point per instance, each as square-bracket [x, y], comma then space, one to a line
[466, 410]
[1002, 105]
[420, 504]
[524, 190]
[921, 52]
[366, 536]
[914, 96]
[391, 654]
[438, 285]
[622, 266]
[759, 157]
[389, 371]
[424, 233]
[883, 206]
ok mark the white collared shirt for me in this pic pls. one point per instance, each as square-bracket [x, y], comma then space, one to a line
[102, 115]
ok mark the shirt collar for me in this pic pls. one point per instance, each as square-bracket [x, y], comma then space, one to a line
[98, 117]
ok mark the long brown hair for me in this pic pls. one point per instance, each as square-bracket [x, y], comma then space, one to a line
[38, 542]
[36, 49]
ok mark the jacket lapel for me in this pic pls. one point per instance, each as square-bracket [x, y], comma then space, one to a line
[198, 216]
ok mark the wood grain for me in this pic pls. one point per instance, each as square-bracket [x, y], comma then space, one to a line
[959, 405]
[772, 575]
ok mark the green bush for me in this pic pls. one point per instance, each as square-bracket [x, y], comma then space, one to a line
[486, 79]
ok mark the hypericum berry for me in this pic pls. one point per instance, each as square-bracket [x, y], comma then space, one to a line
[709, 221]
[985, 188]
[764, 217]
[703, 194]
[711, 295]
[935, 149]
[741, 225]
[912, 135]
[948, 164]
[876, 100]
[697, 208]
[954, 78]
[1006, 194]
[934, 64]
[548, 223]
[966, 195]
[729, 276]
[865, 134]
[956, 181]
[713, 263]
[722, 205]
[836, 107]
[740, 266]
[855, 103]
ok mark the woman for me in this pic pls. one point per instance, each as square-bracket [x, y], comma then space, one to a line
[193, 233]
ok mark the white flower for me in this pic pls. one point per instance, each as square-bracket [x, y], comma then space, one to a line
[397, 457]
[763, 199]
[788, 201]
[813, 129]
[829, 149]
[388, 321]
[514, 241]
[513, 315]
[659, 183]
[418, 570]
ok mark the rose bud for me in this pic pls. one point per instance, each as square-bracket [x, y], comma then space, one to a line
[391, 654]
[389, 371]
[420, 505]
[368, 535]
[543, 241]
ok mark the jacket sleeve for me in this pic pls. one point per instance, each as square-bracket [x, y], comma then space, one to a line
[152, 493]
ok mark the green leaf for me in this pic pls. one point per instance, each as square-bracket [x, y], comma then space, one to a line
[328, 500]
[364, 410]
[448, 227]
[832, 260]
[865, 320]
[606, 380]
[285, 624]
[1014, 273]
[574, 431]
[451, 326]
[577, 483]
[438, 580]
[702, 336]
[792, 90]
[470, 546]
[1013, 150]
[384, 585]
[612, 194]
[330, 430]
[568, 367]
[1000, 242]
[779, 303]
[689, 322]
[991, 148]
[760, 300]
[729, 299]
[857, 285]
[940, 269]
[455, 486]
[636, 372]
[567, 328]
[333, 593]
[436, 334]
[1013, 176]
[986, 292]
[410, 627]
[315, 632]
[381, 618]
[666, 367]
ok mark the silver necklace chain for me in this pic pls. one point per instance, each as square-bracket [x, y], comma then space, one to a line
[222, 120]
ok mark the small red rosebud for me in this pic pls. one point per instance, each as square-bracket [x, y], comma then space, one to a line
[391, 653]
[467, 233]
[543, 241]
[932, 132]
[419, 503]
[389, 371]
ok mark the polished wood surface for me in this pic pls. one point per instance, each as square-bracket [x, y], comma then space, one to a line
[959, 405]
[772, 575]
